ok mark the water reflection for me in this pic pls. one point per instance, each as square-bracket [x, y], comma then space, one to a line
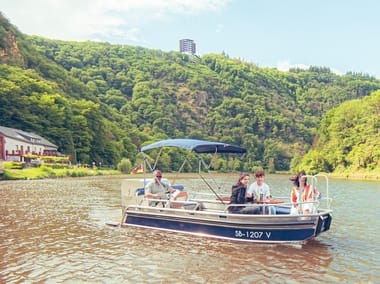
[215, 261]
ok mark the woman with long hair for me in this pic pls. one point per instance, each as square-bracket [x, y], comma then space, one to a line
[239, 195]
[303, 192]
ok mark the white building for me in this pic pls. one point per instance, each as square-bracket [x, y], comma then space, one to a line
[15, 144]
[187, 46]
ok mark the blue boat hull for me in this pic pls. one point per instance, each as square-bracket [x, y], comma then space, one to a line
[275, 232]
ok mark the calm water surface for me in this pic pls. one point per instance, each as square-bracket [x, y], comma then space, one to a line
[52, 231]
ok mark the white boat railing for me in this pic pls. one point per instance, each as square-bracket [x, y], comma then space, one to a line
[207, 201]
[210, 205]
[324, 200]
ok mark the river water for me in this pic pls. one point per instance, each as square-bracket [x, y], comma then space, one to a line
[53, 231]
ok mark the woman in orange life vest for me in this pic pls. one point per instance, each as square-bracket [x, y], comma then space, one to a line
[303, 192]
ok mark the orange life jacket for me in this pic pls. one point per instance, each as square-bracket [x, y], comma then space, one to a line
[295, 195]
[308, 194]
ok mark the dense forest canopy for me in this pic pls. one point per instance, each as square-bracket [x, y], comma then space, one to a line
[349, 138]
[100, 102]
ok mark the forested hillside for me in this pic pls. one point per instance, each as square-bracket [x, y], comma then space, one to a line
[101, 102]
[349, 139]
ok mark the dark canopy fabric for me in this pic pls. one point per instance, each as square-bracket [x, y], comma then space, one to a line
[198, 146]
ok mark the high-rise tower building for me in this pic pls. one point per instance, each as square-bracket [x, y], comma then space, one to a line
[187, 46]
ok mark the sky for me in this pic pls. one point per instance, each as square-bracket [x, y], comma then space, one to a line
[343, 35]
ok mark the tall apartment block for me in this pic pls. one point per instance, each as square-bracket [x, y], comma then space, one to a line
[187, 46]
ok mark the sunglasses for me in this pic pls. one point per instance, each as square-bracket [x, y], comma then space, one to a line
[158, 176]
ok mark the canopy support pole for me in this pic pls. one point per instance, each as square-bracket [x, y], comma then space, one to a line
[208, 172]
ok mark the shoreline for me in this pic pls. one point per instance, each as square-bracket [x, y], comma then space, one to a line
[355, 177]
[347, 176]
[55, 173]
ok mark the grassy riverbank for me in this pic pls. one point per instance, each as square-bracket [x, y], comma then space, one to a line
[74, 171]
[46, 172]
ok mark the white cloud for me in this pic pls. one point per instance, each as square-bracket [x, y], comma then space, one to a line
[103, 19]
[285, 65]
[219, 28]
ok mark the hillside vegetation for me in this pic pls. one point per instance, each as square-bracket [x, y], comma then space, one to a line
[349, 139]
[101, 102]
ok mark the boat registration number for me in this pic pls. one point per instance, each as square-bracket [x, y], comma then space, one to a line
[252, 234]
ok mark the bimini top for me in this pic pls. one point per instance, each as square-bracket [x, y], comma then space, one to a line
[198, 146]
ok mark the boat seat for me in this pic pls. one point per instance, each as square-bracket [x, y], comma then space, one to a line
[282, 210]
[179, 187]
[140, 191]
[140, 195]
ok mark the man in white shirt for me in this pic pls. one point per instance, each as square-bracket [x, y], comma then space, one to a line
[259, 193]
[259, 190]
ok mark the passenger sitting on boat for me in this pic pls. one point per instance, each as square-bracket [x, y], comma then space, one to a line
[239, 196]
[259, 190]
[157, 189]
[303, 192]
